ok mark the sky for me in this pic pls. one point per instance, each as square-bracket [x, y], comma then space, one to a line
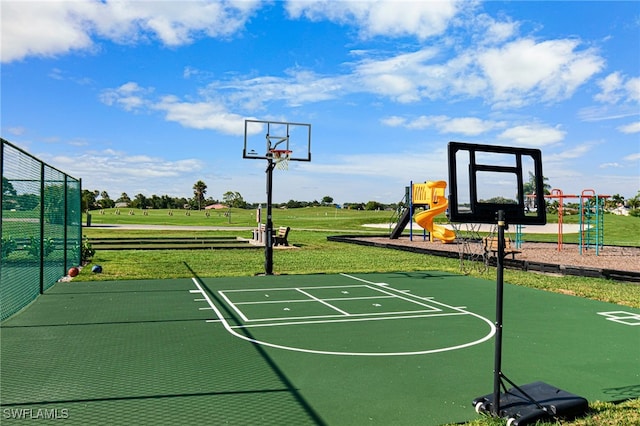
[151, 96]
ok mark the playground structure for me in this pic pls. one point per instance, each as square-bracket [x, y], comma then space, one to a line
[429, 196]
[591, 210]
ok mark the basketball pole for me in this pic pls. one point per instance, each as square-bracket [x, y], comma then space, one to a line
[268, 245]
[497, 368]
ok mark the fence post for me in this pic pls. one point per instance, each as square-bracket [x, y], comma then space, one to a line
[42, 210]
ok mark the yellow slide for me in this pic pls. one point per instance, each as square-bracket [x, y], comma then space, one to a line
[438, 203]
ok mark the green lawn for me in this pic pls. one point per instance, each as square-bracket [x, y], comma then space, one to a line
[310, 228]
[618, 230]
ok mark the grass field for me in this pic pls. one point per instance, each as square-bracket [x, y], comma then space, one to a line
[310, 227]
[619, 230]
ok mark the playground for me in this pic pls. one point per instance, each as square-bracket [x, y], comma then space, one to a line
[414, 228]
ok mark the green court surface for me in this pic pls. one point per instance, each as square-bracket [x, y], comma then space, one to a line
[394, 348]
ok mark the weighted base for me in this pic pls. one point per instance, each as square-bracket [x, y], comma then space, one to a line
[524, 405]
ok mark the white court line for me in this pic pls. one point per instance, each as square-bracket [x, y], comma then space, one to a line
[311, 298]
[311, 317]
[350, 319]
[434, 309]
[331, 299]
[230, 329]
[233, 306]
[431, 299]
[290, 288]
[323, 302]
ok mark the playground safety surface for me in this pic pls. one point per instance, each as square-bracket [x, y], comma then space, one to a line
[346, 349]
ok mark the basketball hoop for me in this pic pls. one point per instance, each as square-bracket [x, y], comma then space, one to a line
[281, 158]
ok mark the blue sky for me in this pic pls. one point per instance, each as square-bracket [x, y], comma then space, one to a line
[151, 96]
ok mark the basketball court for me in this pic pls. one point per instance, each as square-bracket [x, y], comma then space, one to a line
[347, 349]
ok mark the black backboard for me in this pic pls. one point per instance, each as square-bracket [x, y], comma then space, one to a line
[486, 178]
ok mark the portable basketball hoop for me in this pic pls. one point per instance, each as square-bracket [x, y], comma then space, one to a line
[281, 158]
[275, 141]
[472, 200]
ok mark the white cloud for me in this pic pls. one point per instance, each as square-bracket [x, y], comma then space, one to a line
[32, 28]
[610, 165]
[117, 169]
[610, 87]
[551, 70]
[559, 164]
[393, 121]
[421, 19]
[632, 87]
[468, 126]
[17, 131]
[297, 87]
[49, 28]
[534, 135]
[130, 96]
[201, 115]
[617, 88]
[630, 128]
[632, 157]
[515, 74]
[500, 31]
[398, 165]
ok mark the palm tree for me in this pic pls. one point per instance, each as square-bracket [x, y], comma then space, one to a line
[199, 189]
[530, 187]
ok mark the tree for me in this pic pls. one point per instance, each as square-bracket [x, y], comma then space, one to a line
[327, 200]
[499, 200]
[530, 187]
[634, 202]
[140, 202]
[8, 194]
[88, 199]
[615, 201]
[105, 202]
[7, 187]
[54, 204]
[234, 199]
[373, 205]
[199, 189]
[124, 198]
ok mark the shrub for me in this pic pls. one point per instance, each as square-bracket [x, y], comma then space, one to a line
[87, 250]
[33, 248]
[8, 245]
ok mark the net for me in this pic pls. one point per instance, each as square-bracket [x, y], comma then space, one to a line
[281, 158]
[470, 248]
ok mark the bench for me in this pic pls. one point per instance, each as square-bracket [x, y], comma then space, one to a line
[490, 245]
[281, 236]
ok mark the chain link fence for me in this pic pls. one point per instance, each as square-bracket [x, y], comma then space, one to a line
[41, 227]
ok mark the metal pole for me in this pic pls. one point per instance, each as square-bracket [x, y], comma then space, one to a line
[65, 230]
[497, 369]
[42, 211]
[268, 244]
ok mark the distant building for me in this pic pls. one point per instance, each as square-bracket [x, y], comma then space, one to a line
[620, 211]
[215, 207]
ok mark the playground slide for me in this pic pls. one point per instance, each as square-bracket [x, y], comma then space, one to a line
[402, 223]
[425, 220]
